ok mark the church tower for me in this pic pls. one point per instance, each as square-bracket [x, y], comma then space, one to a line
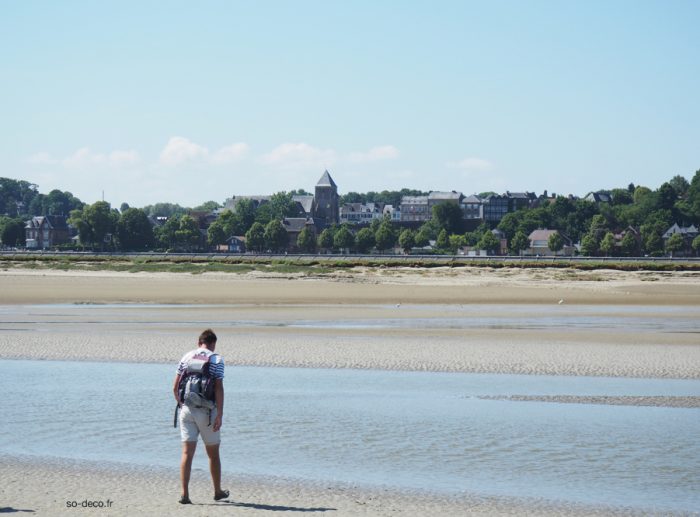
[327, 200]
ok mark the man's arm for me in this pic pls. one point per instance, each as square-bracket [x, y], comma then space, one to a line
[219, 394]
[176, 385]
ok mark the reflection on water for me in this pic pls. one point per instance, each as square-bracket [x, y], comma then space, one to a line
[407, 429]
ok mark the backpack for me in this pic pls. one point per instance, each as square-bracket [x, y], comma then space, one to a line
[196, 388]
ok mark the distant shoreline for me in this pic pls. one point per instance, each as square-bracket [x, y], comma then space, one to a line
[321, 264]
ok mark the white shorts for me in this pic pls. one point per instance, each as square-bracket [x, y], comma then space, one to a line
[196, 421]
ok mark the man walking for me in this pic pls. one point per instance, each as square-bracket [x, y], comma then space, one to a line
[199, 391]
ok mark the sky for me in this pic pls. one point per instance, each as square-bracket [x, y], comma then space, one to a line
[185, 102]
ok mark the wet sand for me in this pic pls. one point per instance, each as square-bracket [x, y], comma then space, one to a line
[43, 486]
[46, 487]
[364, 296]
[441, 285]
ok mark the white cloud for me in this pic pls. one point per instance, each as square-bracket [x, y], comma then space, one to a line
[472, 165]
[230, 153]
[179, 150]
[42, 158]
[123, 158]
[84, 157]
[299, 156]
[383, 152]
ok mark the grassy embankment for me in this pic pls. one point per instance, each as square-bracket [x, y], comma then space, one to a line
[309, 265]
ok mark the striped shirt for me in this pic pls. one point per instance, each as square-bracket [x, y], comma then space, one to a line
[216, 362]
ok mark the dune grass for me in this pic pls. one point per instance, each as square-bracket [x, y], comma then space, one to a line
[308, 265]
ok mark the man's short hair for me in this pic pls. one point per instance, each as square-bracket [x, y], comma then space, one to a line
[207, 337]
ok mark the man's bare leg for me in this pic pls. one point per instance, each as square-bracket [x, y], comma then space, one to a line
[215, 468]
[188, 449]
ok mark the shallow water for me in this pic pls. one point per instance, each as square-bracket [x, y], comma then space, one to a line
[411, 430]
[555, 317]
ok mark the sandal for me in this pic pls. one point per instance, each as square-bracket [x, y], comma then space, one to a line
[221, 495]
[184, 500]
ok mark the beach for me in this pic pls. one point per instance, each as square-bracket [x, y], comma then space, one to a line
[406, 294]
[327, 322]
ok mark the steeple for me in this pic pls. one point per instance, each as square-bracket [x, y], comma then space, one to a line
[326, 200]
[326, 181]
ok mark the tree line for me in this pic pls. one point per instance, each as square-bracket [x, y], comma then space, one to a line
[639, 214]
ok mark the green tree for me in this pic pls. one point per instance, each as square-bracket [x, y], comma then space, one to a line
[223, 227]
[666, 197]
[134, 230]
[693, 198]
[607, 244]
[621, 196]
[325, 239]
[628, 245]
[282, 205]
[533, 219]
[364, 240]
[255, 237]
[16, 196]
[343, 239]
[680, 185]
[263, 214]
[407, 240]
[578, 222]
[653, 243]
[207, 206]
[555, 242]
[589, 245]
[165, 210]
[165, 234]
[60, 203]
[306, 241]
[443, 240]
[12, 232]
[95, 222]
[216, 234]
[696, 244]
[598, 227]
[245, 216]
[423, 236]
[448, 216]
[276, 237]
[471, 238]
[510, 223]
[518, 243]
[675, 243]
[489, 242]
[640, 194]
[385, 238]
[651, 232]
[124, 207]
[455, 241]
[187, 235]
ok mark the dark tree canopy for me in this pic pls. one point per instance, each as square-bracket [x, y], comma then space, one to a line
[134, 230]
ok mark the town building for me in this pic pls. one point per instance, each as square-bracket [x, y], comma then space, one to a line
[539, 243]
[294, 226]
[688, 233]
[472, 208]
[415, 209]
[46, 231]
[327, 200]
[437, 198]
[495, 207]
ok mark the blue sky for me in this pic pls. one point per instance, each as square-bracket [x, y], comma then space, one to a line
[190, 101]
